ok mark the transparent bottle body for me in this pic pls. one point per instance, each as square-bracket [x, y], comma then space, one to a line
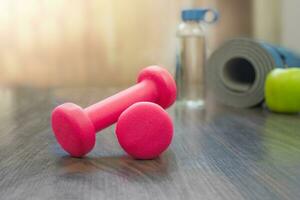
[191, 56]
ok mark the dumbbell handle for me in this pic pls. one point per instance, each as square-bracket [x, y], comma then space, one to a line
[107, 112]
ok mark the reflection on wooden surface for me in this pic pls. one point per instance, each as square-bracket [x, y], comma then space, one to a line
[217, 153]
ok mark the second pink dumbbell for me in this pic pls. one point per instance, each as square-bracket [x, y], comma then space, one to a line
[75, 128]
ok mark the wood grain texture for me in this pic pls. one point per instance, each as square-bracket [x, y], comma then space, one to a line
[217, 153]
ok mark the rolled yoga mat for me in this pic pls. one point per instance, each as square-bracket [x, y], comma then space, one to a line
[236, 72]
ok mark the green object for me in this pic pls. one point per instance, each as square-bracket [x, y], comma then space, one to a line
[282, 90]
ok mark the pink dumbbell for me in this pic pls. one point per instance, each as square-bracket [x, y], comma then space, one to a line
[75, 128]
[144, 130]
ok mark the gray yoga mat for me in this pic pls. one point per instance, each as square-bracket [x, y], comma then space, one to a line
[236, 72]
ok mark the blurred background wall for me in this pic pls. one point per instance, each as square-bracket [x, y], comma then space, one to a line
[291, 24]
[49, 43]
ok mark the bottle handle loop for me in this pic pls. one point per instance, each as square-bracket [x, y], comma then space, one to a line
[214, 13]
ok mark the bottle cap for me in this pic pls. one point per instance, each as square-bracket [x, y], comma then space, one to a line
[198, 14]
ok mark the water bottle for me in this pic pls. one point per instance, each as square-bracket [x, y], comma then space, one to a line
[191, 56]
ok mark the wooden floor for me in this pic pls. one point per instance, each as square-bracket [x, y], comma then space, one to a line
[217, 153]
